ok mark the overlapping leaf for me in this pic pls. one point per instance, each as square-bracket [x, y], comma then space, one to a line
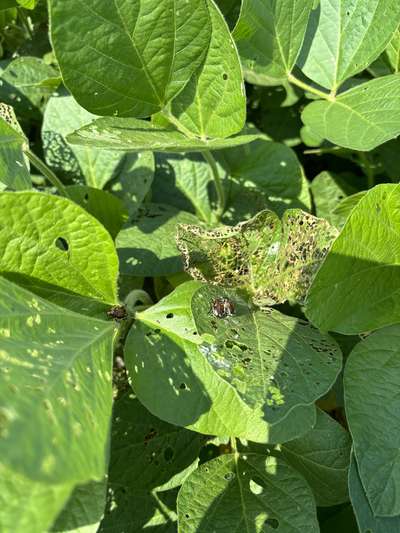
[362, 118]
[108, 61]
[372, 381]
[357, 287]
[273, 260]
[246, 493]
[14, 169]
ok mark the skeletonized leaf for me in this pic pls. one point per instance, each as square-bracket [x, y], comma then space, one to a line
[55, 392]
[213, 103]
[56, 241]
[322, 455]
[360, 119]
[246, 493]
[273, 260]
[176, 382]
[371, 384]
[269, 35]
[357, 286]
[133, 135]
[345, 37]
[108, 62]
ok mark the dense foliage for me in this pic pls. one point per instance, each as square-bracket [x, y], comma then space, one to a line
[199, 252]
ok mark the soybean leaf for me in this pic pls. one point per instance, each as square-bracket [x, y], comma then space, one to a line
[54, 240]
[183, 388]
[26, 83]
[393, 51]
[104, 206]
[63, 115]
[274, 362]
[246, 493]
[147, 246]
[322, 455]
[84, 509]
[14, 170]
[105, 58]
[133, 135]
[362, 508]
[55, 389]
[213, 103]
[371, 384]
[360, 118]
[273, 260]
[8, 4]
[365, 255]
[27, 505]
[269, 36]
[28, 4]
[344, 38]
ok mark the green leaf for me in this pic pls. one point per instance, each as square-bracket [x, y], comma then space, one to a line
[147, 247]
[27, 505]
[55, 392]
[84, 510]
[183, 388]
[8, 4]
[393, 51]
[356, 288]
[104, 206]
[213, 103]
[344, 38]
[63, 115]
[115, 70]
[54, 240]
[269, 36]
[322, 455]
[133, 135]
[371, 385]
[274, 362]
[28, 4]
[26, 84]
[14, 171]
[360, 119]
[246, 493]
[230, 9]
[273, 260]
[365, 517]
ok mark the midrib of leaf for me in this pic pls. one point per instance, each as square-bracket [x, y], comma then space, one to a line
[238, 477]
[253, 316]
[306, 460]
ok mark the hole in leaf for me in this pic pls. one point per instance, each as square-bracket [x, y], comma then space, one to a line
[225, 76]
[273, 523]
[168, 454]
[187, 515]
[62, 244]
[182, 386]
[86, 197]
[170, 315]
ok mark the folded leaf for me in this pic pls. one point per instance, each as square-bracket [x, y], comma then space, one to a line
[357, 286]
[360, 119]
[128, 58]
[246, 493]
[344, 37]
[371, 385]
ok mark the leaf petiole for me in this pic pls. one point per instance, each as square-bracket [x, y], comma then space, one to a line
[218, 183]
[47, 172]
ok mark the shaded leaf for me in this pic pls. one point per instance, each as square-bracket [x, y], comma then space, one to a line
[365, 255]
[246, 493]
[105, 58]
[14, 170]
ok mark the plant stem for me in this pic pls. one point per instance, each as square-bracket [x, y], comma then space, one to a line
[309, 88]
[217, 181]
[234, 445]
[47, 173]
[25, 22]
[367, 167]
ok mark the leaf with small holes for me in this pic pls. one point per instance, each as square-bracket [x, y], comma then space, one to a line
[54, 240]
[357, 287]
[128, 58]
[269, 36]
[55, 391]
[344, 37]
[147, 247]
[213, 103]
[174, 380]
[367, 522]
[134, 135]
[251, 493]
[27, 505]
[274, 362]
[273, 260]
[371, 385]
[322, 455]
[14, 169]
[361, 118]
